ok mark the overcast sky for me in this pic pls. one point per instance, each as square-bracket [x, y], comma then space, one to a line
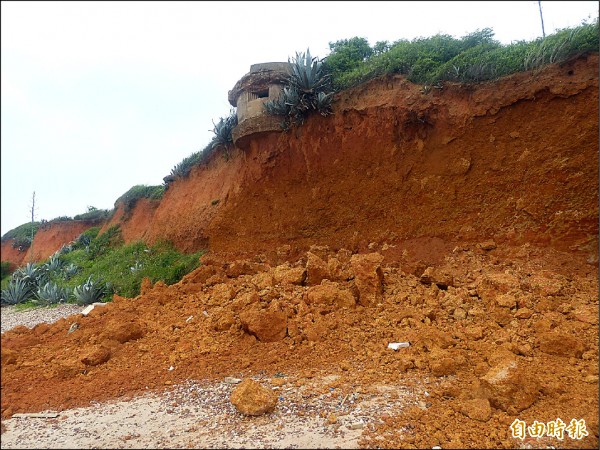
[100, 96]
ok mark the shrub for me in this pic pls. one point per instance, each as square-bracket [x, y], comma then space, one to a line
[346, 54]
[58, 219]
[563, 45]
[103, 242]
[85, 238]
[6, 269]
[21, 243]
[473, 58]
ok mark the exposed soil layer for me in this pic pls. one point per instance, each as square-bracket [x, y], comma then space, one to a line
[461, 220]
[11, 254]
[137, 224]
[515, 160]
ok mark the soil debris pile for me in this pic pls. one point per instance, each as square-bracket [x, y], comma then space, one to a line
[503, 338]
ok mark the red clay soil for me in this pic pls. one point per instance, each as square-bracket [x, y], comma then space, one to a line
[515, 160]
[11, 254]
[49, 238]
[462, 220]
[510, 332]
[136, 223]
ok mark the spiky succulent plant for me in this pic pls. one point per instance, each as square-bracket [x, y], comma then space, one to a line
[222, 130]
[307, 74]
[50, 294]
[83, 240]
[89, 292]
[308, 89]
[32, 274]
[70, 270]
[17, 291]
[54, 263]
[322, 103]
[183, 169]
[66, 248]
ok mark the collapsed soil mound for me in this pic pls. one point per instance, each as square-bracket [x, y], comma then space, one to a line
[510, 332]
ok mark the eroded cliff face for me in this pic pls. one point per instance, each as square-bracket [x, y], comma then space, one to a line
[48, 239]
[514, 160]
[136, 227]
[397, 167]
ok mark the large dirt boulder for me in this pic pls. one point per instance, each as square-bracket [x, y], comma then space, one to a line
[285, 274]
[268, 325]
[253, 399]
[492, 285]
[560, 344]
[368, 276]
[330, 294]
[510, 386]
[124, 332]
[96, 356]
[316, 269]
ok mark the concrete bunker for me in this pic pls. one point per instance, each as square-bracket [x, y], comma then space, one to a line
[263, 83]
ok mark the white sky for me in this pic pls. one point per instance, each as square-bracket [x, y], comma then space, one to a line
[100, 96]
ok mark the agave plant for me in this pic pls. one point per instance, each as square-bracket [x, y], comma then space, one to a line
[89, 292]
[17, 291]
[70, 270]
[28, 271]
[223, 130]
[322, 103]
[66, 248]
[137, 266]
[50, 294]
[182, 170]
[31, 274]
[308, 90]
[308, 75]
[278, 106]
[83, 240]
[54, 263]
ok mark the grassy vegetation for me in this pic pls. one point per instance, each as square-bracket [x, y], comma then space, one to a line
[474, 58]
[22, 235]
[93, 268]
[5, 271]
[130, 198]
[94, 215]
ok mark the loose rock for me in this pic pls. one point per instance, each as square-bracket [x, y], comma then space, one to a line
[253, 399]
